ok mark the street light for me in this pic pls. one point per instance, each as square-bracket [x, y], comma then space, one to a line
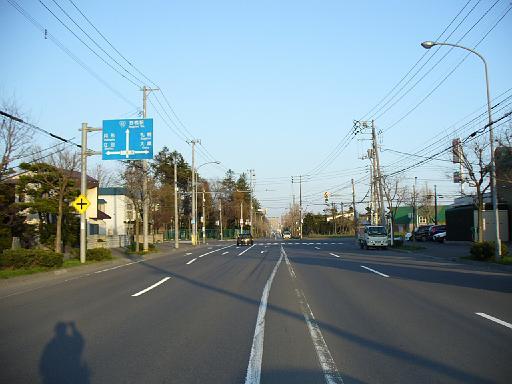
[194, 196]
[430, 44]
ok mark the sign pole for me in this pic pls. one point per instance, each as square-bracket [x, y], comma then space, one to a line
[83, 191]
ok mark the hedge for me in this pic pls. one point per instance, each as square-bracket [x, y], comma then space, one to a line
[485, 250]
[98, 254]
[27, 258]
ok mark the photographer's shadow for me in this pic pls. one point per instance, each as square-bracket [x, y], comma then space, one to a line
[61, 361]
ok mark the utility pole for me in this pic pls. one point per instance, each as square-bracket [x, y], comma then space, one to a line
[354, 208]
[241, 216]
[145, 201]
[194, 224]
[220, 219]
[204, 219]
[379, 176]
[83, 187]
[435, 204]
[300, 203]
[176, 223]
[414, 205]
[250, 196]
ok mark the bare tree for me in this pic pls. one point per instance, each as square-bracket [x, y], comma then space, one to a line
[477, 166]
[395, 195]
[13, 137]
[426, 204]
[106, 177]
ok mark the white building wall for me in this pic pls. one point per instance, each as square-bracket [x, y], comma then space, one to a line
[115, 207]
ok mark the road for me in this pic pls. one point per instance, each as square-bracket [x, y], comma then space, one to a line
[277, 312]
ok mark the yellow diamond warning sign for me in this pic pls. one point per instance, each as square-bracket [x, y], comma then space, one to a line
[81, 204]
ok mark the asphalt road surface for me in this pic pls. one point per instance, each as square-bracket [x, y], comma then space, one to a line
[277, 312]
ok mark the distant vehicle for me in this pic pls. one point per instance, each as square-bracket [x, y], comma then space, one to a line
[372, 236]
[287, 235]
[435, 229]
[422, 232]
[244, 239]
[439, 236]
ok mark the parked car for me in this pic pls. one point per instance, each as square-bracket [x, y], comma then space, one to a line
[422, 233]
[439, 236]
[244, 239]
[436, 229]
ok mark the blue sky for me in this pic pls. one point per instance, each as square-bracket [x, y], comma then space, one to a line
[272, 86]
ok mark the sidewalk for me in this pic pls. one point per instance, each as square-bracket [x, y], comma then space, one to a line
[25, 283]
[453, 251]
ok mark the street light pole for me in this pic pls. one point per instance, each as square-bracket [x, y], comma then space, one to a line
[430, 44]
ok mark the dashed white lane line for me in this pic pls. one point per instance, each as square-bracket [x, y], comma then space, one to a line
[331, 373]
[317, 248]
[151, 287]
[191, 261]
[254, 367]
[188, 253]
[241, 253]
[262, 252]
[333, 254]
[119, 266]
[216, 250]
[374, 271]
[225, 253]
[495, 319]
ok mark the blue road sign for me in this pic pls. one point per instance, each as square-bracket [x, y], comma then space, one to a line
[127, 139]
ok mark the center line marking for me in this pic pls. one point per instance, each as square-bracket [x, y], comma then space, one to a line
[374, 271]
[335, 255]
[254, 368]
[317, 248]
[191, 261]
[224, 253]
[241, 253]
[151, 287]
[216, 250]
[188, 253]
[331, 373]
[495, 319]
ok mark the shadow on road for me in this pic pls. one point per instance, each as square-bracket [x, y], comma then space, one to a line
[61, 360]
[446, 369]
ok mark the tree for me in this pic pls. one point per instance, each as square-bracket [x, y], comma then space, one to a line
[132, 176]
[476, 163]
[426, 207]
[50, 187]
[14, 137]
[395, 195]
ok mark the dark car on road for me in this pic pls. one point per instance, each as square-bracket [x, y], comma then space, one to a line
[435, 229]
[244, 239]
[422, 233]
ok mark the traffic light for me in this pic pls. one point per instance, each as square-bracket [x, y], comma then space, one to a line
[326, 197]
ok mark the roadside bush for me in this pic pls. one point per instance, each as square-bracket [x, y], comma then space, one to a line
[27, 258]
[482, 251]
[485, 250]
[98, 254]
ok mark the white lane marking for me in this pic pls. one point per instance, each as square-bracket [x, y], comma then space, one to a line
[331, 373]
[495, 319]
[119, 266]
[191, 261]
[262, 252]
[335, 255]
[374, 271]
[151, 287]
[224, 253]
[241, 253]
[188, 253]
[317, 248]
[254, 367]
[216, 250]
